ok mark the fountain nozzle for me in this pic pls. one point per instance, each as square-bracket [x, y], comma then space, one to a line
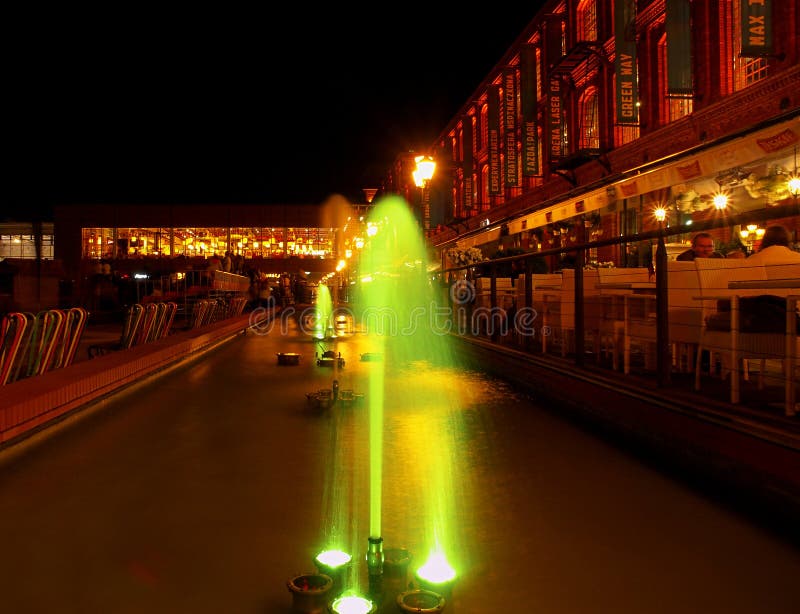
[375, 566]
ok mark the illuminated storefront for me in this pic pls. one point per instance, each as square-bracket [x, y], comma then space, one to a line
[192, 242]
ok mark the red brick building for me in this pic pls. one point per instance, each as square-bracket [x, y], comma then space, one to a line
[602, 112]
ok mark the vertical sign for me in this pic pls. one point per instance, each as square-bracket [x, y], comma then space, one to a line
[494, 139]
[510, 124]
[466, 166]
[528, 102]
[756, 28]
[625, 62]
[679, 47]
[554, 119]
[554, 40]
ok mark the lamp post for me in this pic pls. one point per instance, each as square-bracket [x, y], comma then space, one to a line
[750, 235]
[663, 362]
[423, 174]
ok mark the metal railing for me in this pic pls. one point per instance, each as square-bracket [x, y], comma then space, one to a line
[629, 330]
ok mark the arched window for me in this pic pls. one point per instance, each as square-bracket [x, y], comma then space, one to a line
[590, 126]
[484, 204]
[484, 131]
[674, 106]
[566, 115]
[538, 73]
[587, 20]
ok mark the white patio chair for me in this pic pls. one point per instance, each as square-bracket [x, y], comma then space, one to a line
[734, 345]
[612, 308]
[684, 312]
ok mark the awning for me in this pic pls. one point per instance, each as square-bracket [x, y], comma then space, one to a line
[696, 171]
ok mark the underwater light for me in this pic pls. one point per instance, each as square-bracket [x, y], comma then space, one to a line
[352, 605]
[333, 558]
[437, 569]
[437, 575]
[334, 563]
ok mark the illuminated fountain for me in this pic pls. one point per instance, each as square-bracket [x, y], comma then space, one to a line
[394, 302]
[323, 315]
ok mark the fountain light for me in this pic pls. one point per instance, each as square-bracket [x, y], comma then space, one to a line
[333, 558]
[436, 569]
[352, 604]
[334, 563]
[437, 575]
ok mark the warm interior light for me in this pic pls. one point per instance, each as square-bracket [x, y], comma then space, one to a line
[720, 201]
[753, 232]
[660, 213]
[794, 186]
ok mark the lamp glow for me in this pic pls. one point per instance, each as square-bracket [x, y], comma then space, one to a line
[352, 605]
[794, 186]
[720, 201]
[426, 167]
[437, 569]
[660, 214]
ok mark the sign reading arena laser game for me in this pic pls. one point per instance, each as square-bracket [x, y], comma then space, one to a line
[625, 62]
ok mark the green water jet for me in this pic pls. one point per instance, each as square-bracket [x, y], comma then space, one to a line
[323, 314]
[396, 301]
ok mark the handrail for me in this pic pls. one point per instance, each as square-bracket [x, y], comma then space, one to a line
[12, 331]
[660, 348]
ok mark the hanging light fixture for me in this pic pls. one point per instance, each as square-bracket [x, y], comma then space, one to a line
[720, 201]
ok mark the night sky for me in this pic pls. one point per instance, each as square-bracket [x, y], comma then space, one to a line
[232, 106]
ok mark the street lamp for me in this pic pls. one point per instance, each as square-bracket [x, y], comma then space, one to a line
[752, 234]
[423, 174]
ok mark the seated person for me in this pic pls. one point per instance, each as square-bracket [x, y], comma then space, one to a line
[775, 248]
[702, 247]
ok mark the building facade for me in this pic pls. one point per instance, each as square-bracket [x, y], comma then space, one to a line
[603, 112]
[158, 240]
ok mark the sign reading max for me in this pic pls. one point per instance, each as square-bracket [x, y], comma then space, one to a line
[756, 27]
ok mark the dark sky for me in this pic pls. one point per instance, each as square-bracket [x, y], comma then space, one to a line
[231, 105]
